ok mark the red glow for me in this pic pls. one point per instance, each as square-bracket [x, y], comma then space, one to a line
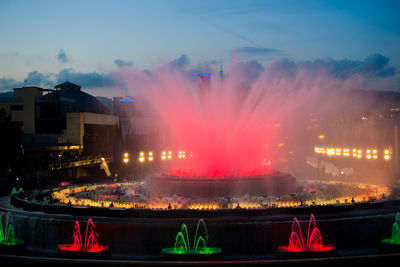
[76, 248]
[91, 243]
[229, 128]
[313, 243]
[315, 248]
[218, 174]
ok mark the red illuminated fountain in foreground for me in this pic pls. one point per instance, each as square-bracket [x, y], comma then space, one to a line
[311, 247]
[89, 248]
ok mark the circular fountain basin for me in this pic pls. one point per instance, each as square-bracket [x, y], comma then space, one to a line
[320, 251]
[389, 245]
[208, 253]
[17, 247]
[275, 183]
[71, 251]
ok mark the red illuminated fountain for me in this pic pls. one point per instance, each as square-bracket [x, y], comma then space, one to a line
[312, 247]
[89, 249]
[232, 127]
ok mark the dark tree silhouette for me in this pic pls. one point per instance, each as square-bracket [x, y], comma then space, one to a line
[10, 150]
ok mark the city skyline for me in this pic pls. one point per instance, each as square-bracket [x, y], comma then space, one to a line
[89, 42]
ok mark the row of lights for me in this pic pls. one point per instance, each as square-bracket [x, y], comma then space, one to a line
[356, 153]
[142, 156]
[166, 155]
[149, 156]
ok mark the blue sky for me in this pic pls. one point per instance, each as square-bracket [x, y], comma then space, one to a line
[40, 39]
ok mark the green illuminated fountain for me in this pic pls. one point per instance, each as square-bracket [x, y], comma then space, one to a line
[392, 244]
[8, 241]
[198, 250]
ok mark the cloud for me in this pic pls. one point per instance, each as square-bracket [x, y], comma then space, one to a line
[375, 69]
[8, 84]
[181, 62]
[62, 57]
[37, 78]
[375, 65]
[123, 63]
[86, 80]
[90, 80]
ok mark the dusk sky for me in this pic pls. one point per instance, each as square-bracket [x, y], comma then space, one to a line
[44, 41]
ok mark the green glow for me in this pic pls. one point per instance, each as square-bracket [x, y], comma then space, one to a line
[206, 250]
[7, 235]
[391, 241]
[395, 239]
[179, 240]
[182, 242]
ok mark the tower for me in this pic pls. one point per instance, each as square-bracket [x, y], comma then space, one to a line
[221, 73]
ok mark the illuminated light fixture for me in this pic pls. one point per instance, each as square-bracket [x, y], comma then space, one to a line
[375, 156]
[150, 158]
[150, 153]
[204, 74]
[368, 153]
[163, 157]
[321, 136]
[126, 158]
[141, 157]
[374, 151]
[386, 154]
[338, 152]
[359, 154]
[181, 154]
[355, 155]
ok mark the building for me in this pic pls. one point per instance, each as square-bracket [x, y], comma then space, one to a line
[21, 107]
[62, 118]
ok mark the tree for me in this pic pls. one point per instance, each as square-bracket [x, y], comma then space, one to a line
[10, 147]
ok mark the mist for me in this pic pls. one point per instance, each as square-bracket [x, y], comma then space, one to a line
[251, 121]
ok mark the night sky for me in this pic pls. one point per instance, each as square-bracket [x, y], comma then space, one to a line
[88, 42]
